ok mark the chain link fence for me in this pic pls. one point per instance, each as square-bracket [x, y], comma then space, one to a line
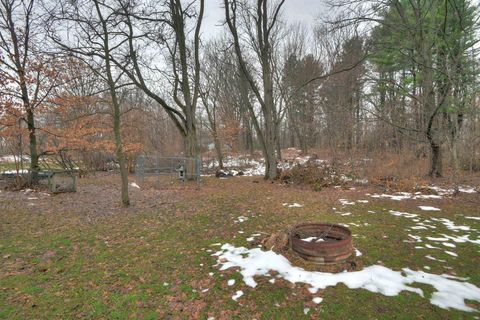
[157, 169]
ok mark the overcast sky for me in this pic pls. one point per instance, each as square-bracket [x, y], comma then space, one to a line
[293, 10]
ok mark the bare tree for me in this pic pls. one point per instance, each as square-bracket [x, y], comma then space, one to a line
[90, 26]
[29, 74]
[261, 27]
[164, 26]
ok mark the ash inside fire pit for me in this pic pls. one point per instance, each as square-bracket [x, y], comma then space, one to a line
[322, 243]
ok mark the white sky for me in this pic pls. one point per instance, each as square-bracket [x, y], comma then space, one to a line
[305, 11]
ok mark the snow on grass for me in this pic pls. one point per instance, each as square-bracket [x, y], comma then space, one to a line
[293, 205]
[398, 196]
[433, 258]
[416, 238]
[241, 219]
[451, 225]
[345, 202]
[429, 208]
[448, 244]
[357, 253]
[441, 191]
[467, 189]
[462, 239]
[231, 282]
[133, 184]
[451, 253]
[450, 292]
[317, 300]
[473, 218]
[403, 214]
[419, 228]
[237, 295]
[444, 239]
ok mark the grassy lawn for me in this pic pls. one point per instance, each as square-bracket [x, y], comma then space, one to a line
[61, 259]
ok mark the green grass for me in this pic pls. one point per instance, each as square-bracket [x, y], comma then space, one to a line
[116, 266]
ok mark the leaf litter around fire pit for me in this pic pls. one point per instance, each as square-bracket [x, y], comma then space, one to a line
[451, 292]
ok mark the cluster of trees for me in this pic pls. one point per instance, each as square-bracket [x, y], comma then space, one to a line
[125, 76]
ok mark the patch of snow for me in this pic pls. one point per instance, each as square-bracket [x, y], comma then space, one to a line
[357, 253]
[398, 196]
[437, 239]
[293, 205]
[317, 300]
[241, 219]
[14, 158]
[231, 282]
[451, 225]
[467, 189]
[237, 295]
[464, 189]
[416, 238]
[418, 228]
[15, 171]
[453, 254]
[448, 244]
[345, 202]
[133, 184]
[403, 214]
[433, 258]
[428, 208]
[449, 293]
[362, 201]
[306, 311]
[473, 218]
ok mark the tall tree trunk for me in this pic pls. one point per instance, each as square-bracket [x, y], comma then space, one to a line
[116, 110]
[436, 160]
[120, 154]
[278, 146]
[34, 167]
[218, 150]
[191, 151]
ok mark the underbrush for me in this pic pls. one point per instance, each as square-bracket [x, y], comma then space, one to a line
[318, 177]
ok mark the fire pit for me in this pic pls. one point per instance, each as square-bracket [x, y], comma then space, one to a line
[322, 243]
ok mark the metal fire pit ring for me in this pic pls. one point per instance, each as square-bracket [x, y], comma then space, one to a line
[336, 247]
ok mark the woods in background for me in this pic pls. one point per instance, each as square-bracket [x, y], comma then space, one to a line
[121, 77]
